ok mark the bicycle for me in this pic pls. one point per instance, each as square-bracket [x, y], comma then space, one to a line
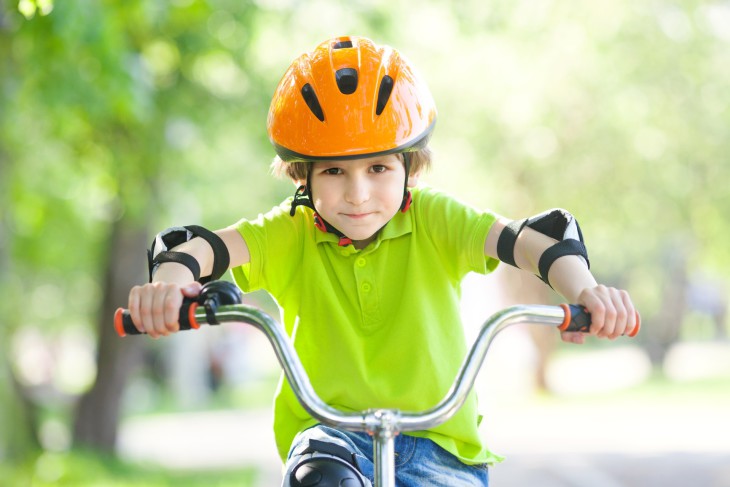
[220, 302]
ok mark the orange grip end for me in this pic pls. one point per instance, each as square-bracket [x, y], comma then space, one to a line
[566, 321]
[191, 316]
[118, 323]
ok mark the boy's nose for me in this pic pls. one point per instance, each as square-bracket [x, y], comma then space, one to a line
[358, 191]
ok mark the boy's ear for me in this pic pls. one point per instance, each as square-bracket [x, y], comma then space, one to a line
[299, 182]
[413, 180]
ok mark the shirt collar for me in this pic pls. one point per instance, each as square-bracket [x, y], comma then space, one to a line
[401, 224]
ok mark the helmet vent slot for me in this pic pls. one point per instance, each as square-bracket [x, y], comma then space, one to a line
[386, 88]
[342, 45]
[310, 97]
[346, 80]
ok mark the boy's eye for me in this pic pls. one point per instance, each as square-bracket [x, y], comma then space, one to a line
[379, 169]
[332, 170]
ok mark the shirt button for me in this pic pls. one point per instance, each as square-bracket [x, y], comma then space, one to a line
[361, 262]
[366, 287]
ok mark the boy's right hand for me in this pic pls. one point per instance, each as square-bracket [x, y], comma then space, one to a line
[155, 307]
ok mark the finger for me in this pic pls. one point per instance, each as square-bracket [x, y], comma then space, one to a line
[631, 313]
[192, 290]
[145, 310]
[615, 320]
[171, 308]
[608, 320]
[573, 337]
[594, 304]
[158, 310]
[133, 307]
[621, 314]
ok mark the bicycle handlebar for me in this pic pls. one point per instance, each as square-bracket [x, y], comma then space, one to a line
[219, 303]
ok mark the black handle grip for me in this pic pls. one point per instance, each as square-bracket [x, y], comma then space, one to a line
[580, 319]
[124, 325]
[212, 295]
[577, 318]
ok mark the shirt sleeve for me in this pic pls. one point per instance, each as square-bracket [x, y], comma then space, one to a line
[457, 229]
[274, 242]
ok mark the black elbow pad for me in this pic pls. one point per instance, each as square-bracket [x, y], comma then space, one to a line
[558, 224]
[172, 237]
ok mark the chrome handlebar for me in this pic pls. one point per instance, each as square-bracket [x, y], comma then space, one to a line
[372, 420]
[219, 303]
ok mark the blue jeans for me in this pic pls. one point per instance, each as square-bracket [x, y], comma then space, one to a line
[419, 462]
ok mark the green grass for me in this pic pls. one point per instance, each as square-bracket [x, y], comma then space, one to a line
[708, 389]
[87, 469]
[659, 390]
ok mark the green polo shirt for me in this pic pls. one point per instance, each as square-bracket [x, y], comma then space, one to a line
[377, 327]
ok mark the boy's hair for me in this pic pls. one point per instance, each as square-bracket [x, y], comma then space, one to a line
[298, 171]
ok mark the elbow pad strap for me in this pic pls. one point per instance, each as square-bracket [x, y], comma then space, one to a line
[560, 249]
[178, 257]
[221, 257]
[172, 237]
[507, 241]
[557, 224]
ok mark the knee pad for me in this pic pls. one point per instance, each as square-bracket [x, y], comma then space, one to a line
[324, 464]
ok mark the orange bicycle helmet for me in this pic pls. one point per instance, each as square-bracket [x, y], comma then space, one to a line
[349, 98]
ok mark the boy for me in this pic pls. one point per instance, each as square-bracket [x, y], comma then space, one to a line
[366, 267]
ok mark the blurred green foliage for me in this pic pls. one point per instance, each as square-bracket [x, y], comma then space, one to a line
[615, 110]
[154, 112]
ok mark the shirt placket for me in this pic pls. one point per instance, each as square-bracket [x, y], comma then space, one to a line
[367, 291]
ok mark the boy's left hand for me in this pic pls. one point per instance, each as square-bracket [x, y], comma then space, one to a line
[612, 313]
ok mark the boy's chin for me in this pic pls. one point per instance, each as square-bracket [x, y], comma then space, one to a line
[361, 233]
[361, 236]
[361, 241]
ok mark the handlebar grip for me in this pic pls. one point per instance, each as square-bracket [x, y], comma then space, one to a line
[212, 295]
[577, 318]
[124, 325]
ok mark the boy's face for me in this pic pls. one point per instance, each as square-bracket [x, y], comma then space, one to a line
[358, 197]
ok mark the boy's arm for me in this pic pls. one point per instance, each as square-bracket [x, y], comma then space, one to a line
[612, 311]
[155, 307]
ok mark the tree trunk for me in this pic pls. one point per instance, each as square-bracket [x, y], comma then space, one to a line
[18, 423]
[98, 411]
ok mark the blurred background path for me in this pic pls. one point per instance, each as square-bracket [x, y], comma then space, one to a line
[605, 440]
[219, 440]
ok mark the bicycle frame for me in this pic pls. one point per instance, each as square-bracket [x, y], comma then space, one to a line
[385, 424]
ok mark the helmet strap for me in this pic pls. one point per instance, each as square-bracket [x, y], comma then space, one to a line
[407, 198]
[303, 197]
